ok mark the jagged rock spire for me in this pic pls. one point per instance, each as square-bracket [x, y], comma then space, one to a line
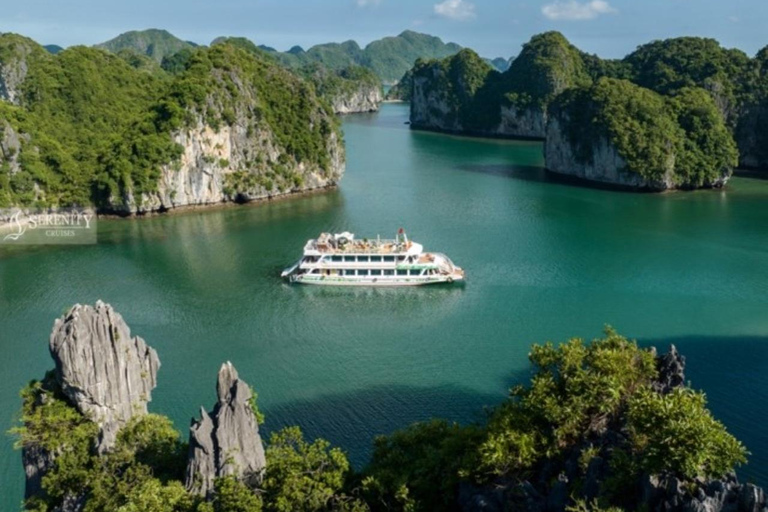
[104, 372]
[671, 367]
[225, 441]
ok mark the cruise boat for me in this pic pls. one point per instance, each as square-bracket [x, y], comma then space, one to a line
[341, 260]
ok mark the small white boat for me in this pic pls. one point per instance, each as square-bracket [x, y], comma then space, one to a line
[341, 260]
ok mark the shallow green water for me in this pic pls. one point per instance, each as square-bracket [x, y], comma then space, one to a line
[544, 261]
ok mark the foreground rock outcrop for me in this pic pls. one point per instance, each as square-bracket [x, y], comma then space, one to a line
[103, 371]
[226, 441]
[547, 490]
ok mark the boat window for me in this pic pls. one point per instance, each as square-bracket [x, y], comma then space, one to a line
[402, 272]
[349, 258]
[415, 272]
[362, 272]
[376, 272]
[375, 259]
[336, 258]
[389, 272]
[362, 259]
[389, 258]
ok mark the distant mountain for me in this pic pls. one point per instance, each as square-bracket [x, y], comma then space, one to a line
[389, 57]
[500, 63]
[53, 48]
[153, 42]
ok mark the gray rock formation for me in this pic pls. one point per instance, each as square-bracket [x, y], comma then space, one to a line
[671, 367]
[604, 166]
[366, 98]
[104, 372]
[667, 493]
[10, 146]
[225, 441]
[13, 70]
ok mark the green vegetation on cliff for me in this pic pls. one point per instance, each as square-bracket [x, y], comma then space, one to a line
[547, 65]
[466, 84]
[93, 131]
[99, 126]
[606, 404]
[681, 138]
[665, 126]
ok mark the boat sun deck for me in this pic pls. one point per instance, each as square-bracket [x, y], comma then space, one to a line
[346, 244]
[342, 260]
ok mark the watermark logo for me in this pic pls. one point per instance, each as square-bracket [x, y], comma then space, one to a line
[60, 226]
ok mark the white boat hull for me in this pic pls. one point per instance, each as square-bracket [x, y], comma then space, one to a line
[341, 281]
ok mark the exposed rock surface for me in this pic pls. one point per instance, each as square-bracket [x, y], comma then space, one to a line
[671, 367]
[225, 441]
[14, 68]
[366, 98]
[36, 461]
[219, 166]
[104, 372]
[10, 146]
[604, 166]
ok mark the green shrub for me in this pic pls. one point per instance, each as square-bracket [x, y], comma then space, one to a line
[677, 433]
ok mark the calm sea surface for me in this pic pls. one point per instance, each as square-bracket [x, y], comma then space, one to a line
[544, 260]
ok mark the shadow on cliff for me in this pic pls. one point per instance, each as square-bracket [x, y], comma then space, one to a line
[733, 372]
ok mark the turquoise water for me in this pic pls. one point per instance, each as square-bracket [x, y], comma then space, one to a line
[544, 260]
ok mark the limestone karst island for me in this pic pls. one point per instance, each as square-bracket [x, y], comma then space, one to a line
[536, 232]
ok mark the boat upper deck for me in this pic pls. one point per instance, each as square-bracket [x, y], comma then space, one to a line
[340, 244]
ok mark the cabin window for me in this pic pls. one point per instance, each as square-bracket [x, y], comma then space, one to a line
[362, 272]
[336, 258]
[349, 258]
[376, 272]
[362, 259]
[375, 259]
[389, 258]
[389, 272]
[415, 272]
[402, 272]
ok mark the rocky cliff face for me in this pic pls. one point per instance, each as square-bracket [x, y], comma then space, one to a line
[14, 67]
[366, 98]
[228, 164]
[605, 165]
[103, 371]
[226, 441]
[10, 146]
[752, 136]
[432, 108]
